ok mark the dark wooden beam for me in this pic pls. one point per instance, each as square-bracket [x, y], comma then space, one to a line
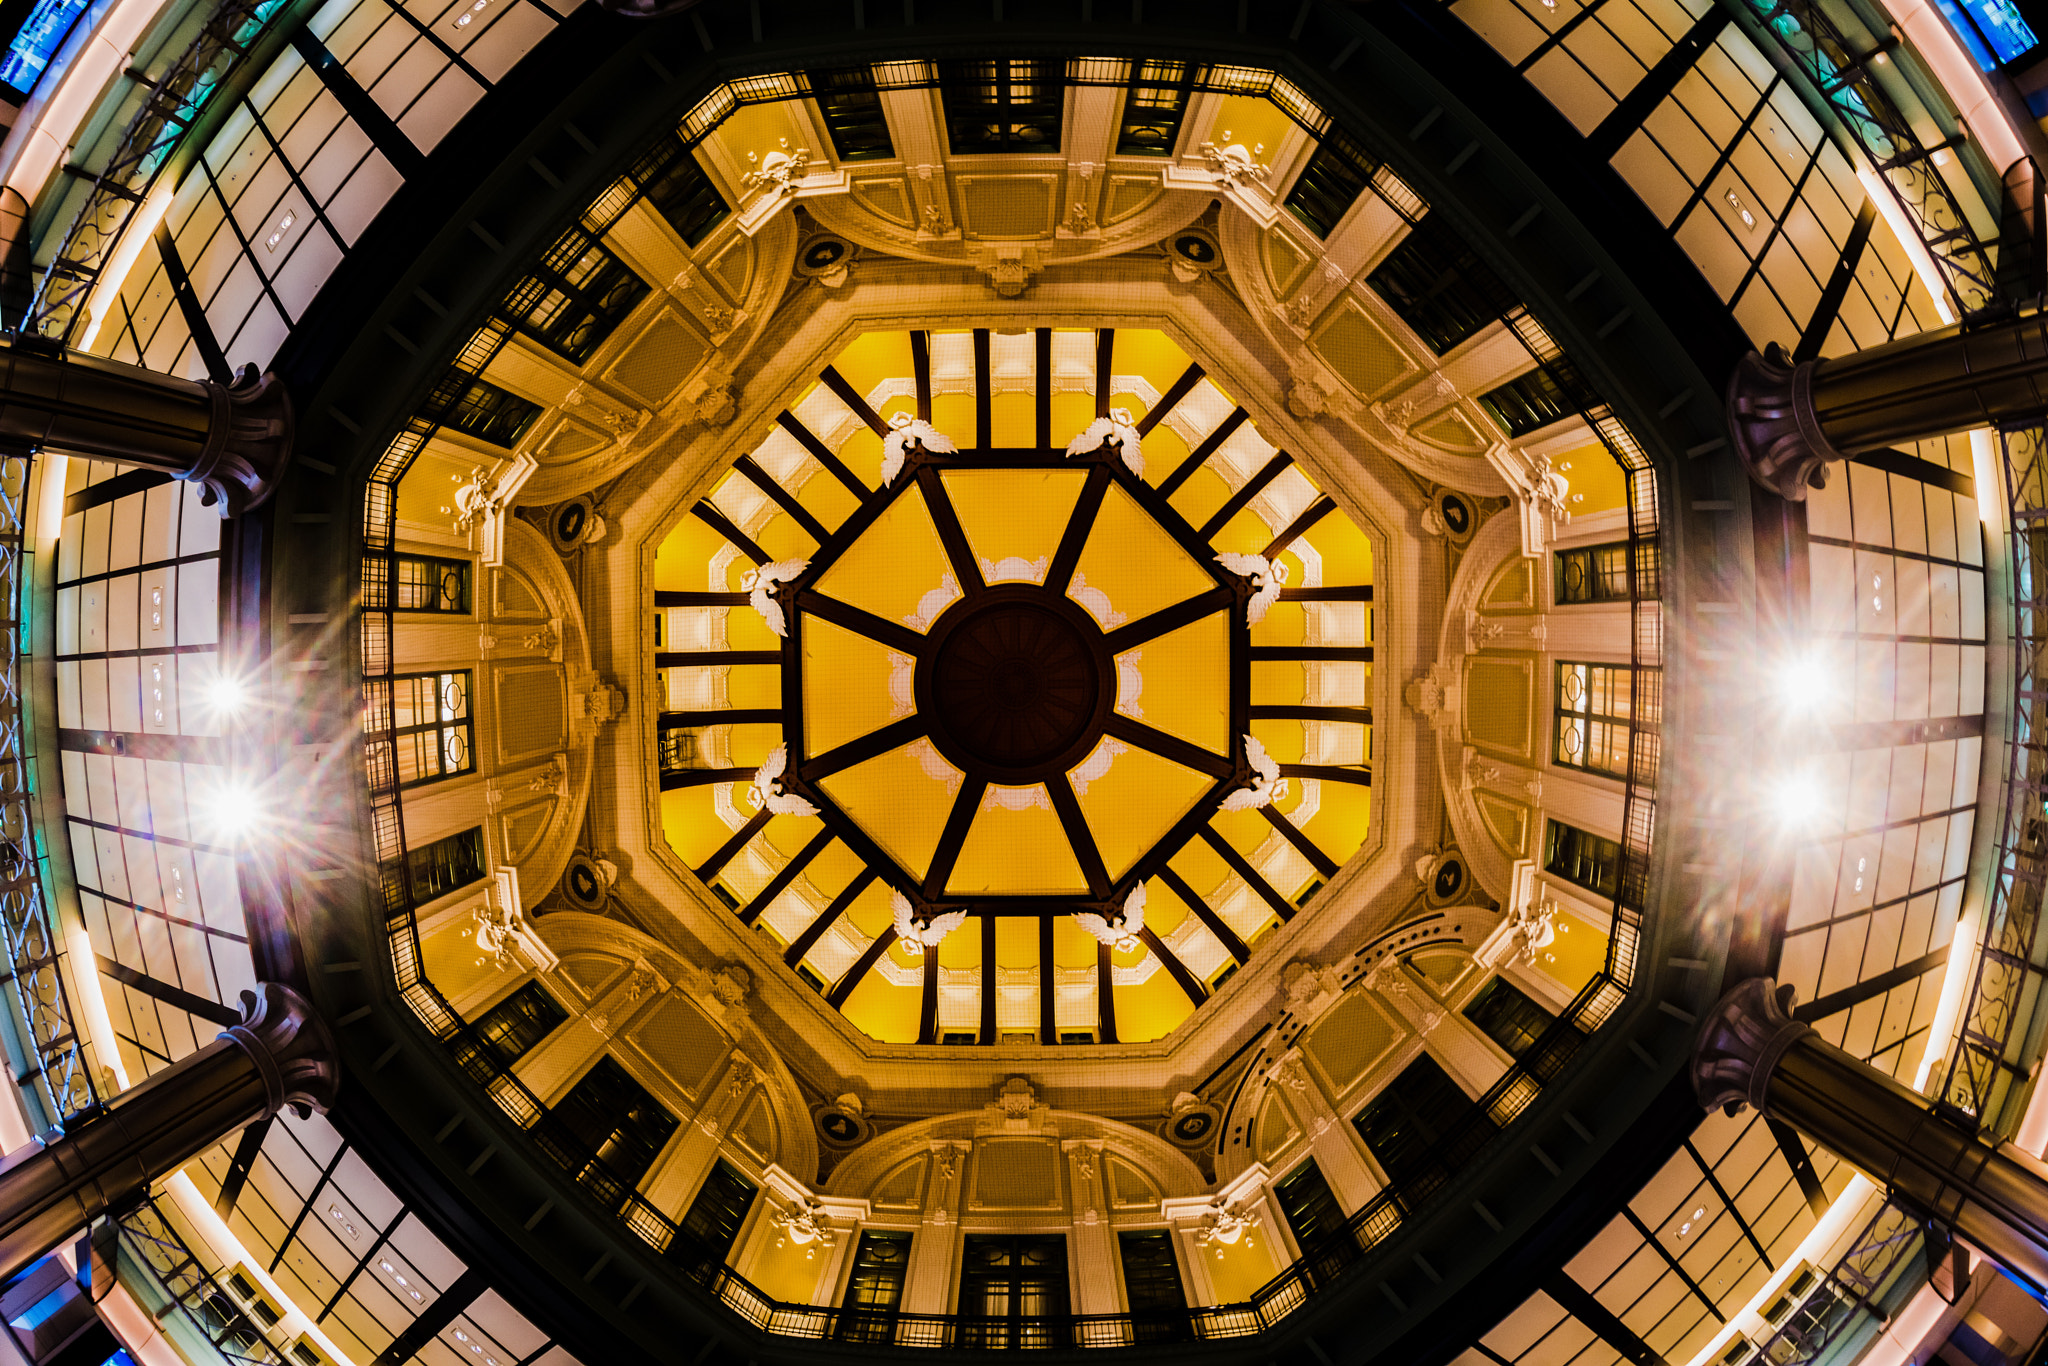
[1306, 711]
[783, 499]
[1329, 593]
[672, 597]
[988, 979]
[1186, 469]
[851, 978]
[720, 523]
[966, 803]
[211, 1011]
[726, 852]
[736, 716]
[1189, 378]
[862, 748]
[984, 392]
[1251, 876]
[1042, 391]
[928, 1013]
[1303, 845]
[704, 659]
[953, 537]
[675, 779]
[1105, 995]
[1189, 983]
[1105, 354]
[892, 634]
[1299, 527]
[1186, 612]
[1334, 773]
[1048, 984]
[921, 370]
[1075, 537]
[854, 399]
[785, 875]
[1182, 752]
[801, 945]
[247, 1149]
[1068, 808]
[1250, 489]
[822, 453]
[1226, 936]
[1311, 653]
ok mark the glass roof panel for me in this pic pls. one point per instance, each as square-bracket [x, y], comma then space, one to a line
[1135, 801]
[1180, 683]
[1131, 567]
[901, 799]
[1014, 518]
[897, 569]
[852, 685]
[1017, 847]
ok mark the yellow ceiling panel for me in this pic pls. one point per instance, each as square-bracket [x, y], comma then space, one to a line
[1150, 1009]
[882, 1010]
[1014, 518]
[901, 799]
[1072, 946]
[1132, 806]
[1130, 567]
[1017, 847]
[873, 357]
[1343, 818]
[1183, 683]
[848, 683]
[897, 569]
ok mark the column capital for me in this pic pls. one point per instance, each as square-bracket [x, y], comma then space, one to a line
[248, 443]
[291, 1047]
[1741, 1041]
[1775, 429]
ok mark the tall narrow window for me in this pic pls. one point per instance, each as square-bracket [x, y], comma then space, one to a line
[1550, 393]
[1013, 1292]
[852, 109]
[1331, 182]
[1593, 717]
[510, 1029]
[1003, 106]
[708, 1230]
[1405, 1126]
[576, 296]
[1506, 1014]
[677, 188]
[1593, 573]
[1311, 1210]
[428, 583]
[1153, 107]
[875, 1290]
[1439, 286]
[479, 408]
[433, 726]
[618, 1126]
[1583, 859]
[1158, 1302]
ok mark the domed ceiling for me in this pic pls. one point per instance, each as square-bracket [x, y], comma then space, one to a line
[1014, 686]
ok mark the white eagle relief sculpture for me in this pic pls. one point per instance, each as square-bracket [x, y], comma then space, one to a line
[761, 585]
[928, 934]
[1117, 428]
[769, 792]
[905, 429]
[1268, 576]
[1125, 929]
[1267, 784]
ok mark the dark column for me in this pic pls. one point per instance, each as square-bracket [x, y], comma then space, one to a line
[232, 440]
[280, 1054]
[1996, 1199]
[1790, 420]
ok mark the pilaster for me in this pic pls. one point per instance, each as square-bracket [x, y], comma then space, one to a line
[928, 1280]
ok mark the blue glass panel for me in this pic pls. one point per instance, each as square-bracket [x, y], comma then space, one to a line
[33, 1317]
[1993, 30]
[37, 41]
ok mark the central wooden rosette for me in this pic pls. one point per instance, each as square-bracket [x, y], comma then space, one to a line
[1019, 683]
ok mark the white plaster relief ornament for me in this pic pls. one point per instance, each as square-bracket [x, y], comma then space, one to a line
[769, 791]
[1268, 576]
[761, 585]
[905, 429]
[914, 935]
[1267, 784]
[1124, 934]
[1117, 429]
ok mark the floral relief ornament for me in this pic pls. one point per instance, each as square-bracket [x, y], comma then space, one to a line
[1232, 164]
[779, 171]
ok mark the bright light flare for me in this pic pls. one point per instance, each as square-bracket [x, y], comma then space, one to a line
[1806, 684]
[232, 811]
[1798, 800]
[227, 695]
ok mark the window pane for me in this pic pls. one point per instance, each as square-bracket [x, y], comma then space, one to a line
[1405, 1124]
[1003, 106]
[480, 409]
[1506, 1014]
[1331, 182]
[708, 1230]
[1439, 286]
[1153, 106]
[510, 1029]
[619, 1126]
[852, 110]
[1583, 859]
[1593, 710]
[1311, 1210]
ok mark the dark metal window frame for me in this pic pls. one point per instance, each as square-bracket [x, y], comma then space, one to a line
[1605, 728]
[573, 314]
[627, 1151]
[1586, 860]
[1172, 85]
[1019, 1281]
[422, 583]
[850, 106]
[999, 110]
[1508, 1015]
[445, 865]
[1587, 574]
[1437, 284]
[476, 407]
[515, 1026]
[445, 728]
